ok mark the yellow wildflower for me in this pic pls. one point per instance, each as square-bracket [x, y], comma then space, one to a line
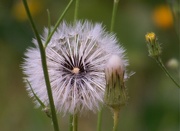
[163, 17]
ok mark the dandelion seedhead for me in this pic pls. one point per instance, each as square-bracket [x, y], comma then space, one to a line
[76, 58]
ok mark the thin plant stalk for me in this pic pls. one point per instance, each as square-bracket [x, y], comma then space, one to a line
[75, 122]
[44, 65]
[99, 121]
[116, 119]
[160, 63]
[70, 122]
[58, 22]
[114, 12]
[49, 22]
[76, 10]
[36, 97]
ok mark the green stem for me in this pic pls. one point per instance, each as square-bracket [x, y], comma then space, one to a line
[58, 22]
[75, 122]
[36, 97]
[160, 63]
[71, 123]
[99, 122]
[44, 65]
[49, 22]
[116, 119]
[114, 12]
[76, 10]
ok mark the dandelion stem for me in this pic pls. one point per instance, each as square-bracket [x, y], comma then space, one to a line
[46, 75]
[70, 122]
[75, 122]
[76, 10]
[58, 22]
[99, 121]
[114, 12]
[160, 63]
[116, 119]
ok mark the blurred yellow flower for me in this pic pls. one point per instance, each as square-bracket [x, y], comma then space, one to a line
[19, 12]
[163, 17]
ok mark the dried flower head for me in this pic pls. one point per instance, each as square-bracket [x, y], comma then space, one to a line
[76, 58]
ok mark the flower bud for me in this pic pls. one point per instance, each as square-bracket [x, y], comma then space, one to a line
[115, 93]
[150, 37]
[153, 46]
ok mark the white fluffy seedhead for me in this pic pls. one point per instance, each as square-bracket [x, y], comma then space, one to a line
[76, 58]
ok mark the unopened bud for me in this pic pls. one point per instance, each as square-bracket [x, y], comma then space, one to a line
[150, 37]
[115, 93]
[153, 45]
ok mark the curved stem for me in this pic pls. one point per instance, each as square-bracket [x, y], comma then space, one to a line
[36, 97]
[99, 121]
[114, 12]
[45, 70]
[160, 63]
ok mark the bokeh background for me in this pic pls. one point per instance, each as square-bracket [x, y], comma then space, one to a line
[154, 99]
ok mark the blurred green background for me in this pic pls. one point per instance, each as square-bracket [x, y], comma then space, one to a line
[154, 99]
